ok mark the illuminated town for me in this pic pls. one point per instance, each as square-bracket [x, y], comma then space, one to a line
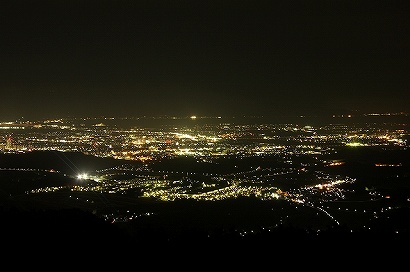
[285, 161]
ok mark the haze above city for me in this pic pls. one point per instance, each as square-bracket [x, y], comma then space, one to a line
[150, 58]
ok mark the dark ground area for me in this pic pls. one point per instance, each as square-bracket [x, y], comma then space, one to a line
[28, 225]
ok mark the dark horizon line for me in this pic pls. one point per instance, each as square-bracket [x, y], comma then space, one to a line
[193, 116]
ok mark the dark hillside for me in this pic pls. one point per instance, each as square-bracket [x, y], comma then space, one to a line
[70, 163]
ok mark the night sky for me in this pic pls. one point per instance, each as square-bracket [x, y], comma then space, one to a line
[214, 58]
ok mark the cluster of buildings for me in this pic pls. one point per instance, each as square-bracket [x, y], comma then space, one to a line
[301, 181]
[95, 137]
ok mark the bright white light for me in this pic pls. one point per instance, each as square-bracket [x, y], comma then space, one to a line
[82, 176]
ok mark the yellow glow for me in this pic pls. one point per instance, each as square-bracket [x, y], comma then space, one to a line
[355, 144]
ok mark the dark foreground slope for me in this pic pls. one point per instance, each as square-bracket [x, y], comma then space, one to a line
[43, 226]
[73, 229]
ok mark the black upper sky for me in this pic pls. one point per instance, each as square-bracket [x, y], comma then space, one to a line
[132, 58]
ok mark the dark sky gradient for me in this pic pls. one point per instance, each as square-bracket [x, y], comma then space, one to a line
[133, 58]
